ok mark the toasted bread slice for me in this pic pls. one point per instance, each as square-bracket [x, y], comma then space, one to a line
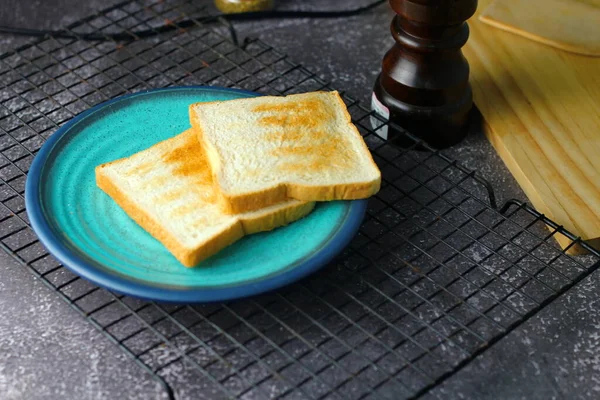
[263, 150]
[168, 190]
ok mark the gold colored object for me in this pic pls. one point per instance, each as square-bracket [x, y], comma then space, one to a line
[541, 107]
[241, 6]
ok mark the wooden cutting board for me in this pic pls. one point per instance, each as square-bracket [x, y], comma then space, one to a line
[541, 107]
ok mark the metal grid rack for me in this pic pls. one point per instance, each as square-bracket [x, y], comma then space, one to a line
[435, 276]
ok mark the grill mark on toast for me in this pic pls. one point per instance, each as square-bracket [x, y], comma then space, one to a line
[300, 120]
[304, 142]
[189, 161]
[311, 105]
[325, 152]
[290, 121]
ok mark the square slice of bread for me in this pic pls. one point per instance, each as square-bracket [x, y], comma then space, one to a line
[168, 190]
[263, 150]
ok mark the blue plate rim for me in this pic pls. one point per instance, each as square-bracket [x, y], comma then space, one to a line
[81, 267]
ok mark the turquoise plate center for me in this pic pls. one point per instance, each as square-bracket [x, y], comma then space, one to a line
[80, 224]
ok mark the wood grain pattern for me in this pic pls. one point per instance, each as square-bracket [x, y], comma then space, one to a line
[541, 107]
[571, 25]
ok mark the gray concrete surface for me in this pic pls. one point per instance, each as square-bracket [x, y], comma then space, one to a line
[554, 356]
[48, 351]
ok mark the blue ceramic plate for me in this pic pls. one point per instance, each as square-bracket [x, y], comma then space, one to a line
[82, 227]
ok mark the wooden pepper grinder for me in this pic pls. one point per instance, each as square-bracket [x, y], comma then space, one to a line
[424, 83]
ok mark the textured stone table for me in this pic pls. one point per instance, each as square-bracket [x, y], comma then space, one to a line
[48, 351]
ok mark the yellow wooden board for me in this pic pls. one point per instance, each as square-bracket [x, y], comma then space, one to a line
[571, 25]
[541, 106]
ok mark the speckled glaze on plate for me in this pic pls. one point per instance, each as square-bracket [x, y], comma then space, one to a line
[83, 228]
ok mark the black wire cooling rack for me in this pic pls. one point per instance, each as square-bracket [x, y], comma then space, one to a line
[435, 276]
